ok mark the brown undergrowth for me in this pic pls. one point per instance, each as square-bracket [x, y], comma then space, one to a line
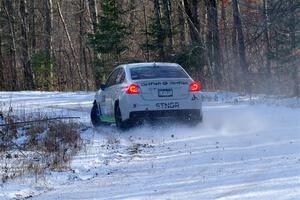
[37, 146]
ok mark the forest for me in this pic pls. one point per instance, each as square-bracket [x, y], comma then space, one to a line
[247, 46]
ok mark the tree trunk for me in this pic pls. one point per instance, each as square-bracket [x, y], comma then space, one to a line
[296, 60]
[167, 17]
[28, 78]
[71, 45]
[225, 27]
[160, 37]
[1, 61]
[132, 7]
[196, 36]
[267, 39]
[10, 14]
[69, 70]
[181, 27]
[146, 33]
[191, 10]
[241, 49]
[48, 10]
[83, 58]
[32, 27]
[236, 68]
[93, 14]
[93, 18]
[213, 40]
[227, 71]
[210, 33]
[194, 14]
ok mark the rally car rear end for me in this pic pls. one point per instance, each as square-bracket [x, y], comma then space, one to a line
[174, 96]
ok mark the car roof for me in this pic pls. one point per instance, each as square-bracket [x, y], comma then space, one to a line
[149, 64]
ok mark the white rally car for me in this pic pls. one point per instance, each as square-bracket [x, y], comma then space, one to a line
[141, 91]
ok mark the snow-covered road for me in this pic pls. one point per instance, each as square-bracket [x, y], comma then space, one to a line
[240, 151]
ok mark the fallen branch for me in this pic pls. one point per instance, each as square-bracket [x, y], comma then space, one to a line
[40, 120]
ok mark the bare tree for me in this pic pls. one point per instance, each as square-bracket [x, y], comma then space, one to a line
[48, 10]
[146, 33]
[181, 25]
[264, 37]
[1, 60]
[295, 65]
[213, 41]
[82, 31]
[191, 9]
[238, 29]
[267, 38]
[28, 78]
[32, 26]
[160, 42]
[70, 44]
[225, 28]
[93, 13]
[227, 75]
[167, 18]
[10, 15]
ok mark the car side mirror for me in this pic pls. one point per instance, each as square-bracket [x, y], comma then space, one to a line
[103, 87]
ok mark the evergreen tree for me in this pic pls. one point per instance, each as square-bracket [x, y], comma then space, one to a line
[109, 38]
[156, 34]
[154, 43]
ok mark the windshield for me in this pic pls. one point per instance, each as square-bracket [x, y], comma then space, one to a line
[155, 72]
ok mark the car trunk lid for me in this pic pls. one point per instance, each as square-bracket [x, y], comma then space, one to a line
[164, 89]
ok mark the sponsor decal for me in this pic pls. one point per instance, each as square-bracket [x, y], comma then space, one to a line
[151, 83]
[179, 83]
[107, 119]
[195, 98]
[164, 83]
[169, 105]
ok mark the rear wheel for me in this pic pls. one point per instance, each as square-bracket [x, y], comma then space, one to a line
[195, 118]
[95, 115]
[123, 125]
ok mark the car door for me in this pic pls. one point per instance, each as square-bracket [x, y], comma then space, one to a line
[106, 94]
[116, 90]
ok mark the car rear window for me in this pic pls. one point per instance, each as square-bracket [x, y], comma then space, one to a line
[154, 72]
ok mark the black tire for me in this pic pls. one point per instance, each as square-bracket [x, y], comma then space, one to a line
[95, 115]
[195, 118]
[122, 125]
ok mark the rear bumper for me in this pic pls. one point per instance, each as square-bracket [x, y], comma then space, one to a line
[158, 114]
[134, 105]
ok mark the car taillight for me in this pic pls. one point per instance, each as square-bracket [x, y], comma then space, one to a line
[133, 89]
[195, 87]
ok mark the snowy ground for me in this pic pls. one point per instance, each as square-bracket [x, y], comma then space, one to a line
[243, 150]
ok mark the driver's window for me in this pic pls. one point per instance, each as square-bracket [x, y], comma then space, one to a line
[121, 76]
[112, 78]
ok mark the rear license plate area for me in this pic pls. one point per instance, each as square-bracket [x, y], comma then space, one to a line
[165, 92]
